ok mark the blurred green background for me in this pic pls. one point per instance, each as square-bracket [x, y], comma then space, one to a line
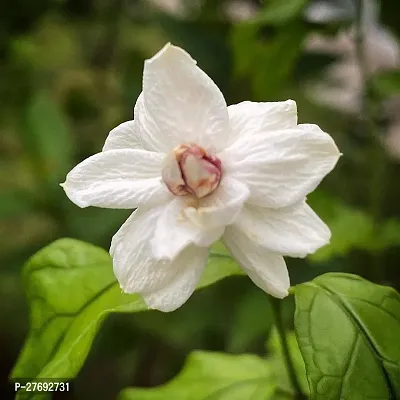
[71, 70]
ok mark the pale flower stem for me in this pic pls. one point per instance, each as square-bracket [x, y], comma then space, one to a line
[277, 311]
[378, 159]
[366, 109]
[359, 41]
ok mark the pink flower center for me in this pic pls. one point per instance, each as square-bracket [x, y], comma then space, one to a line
[191, 171]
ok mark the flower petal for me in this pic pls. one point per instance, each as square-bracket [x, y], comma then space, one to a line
[124, 136]
[174, 232]
[186, 221]
[281, 168]
[117, 179]
[265, 268]
[220, 208]
[183, 101]
[190, 265]
[141, 133]
[249, 118]
[294, 231]
[134, 265]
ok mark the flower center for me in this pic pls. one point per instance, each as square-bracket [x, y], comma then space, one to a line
[190, 170]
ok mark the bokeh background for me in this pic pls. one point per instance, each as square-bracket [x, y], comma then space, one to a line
[70, 71]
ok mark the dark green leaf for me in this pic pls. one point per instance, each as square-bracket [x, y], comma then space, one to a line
[348, 331]
[209, 375]
[71, 288]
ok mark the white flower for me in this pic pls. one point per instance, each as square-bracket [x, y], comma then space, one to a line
[197, 171]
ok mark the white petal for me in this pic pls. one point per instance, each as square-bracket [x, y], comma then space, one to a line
[265, 268]
[190, 265]
[117, 179]
[294, 231]
[183, 101]
[124, 136]
[134, 264]
[183, 222]
[151, 137]
[141, 133]
[282, 167]
[249, 118]
[220, 208]
[174, 232]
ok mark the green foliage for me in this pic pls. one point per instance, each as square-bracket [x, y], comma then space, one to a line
[222, 376]
[247, 325]
[387, 83]
[279, 365]
[14, 203]
[70, 72]
[71, 288]
[269, 58]
[281, 12]
[209, 375]
[353, 229]
[47, 138]
[348, 331]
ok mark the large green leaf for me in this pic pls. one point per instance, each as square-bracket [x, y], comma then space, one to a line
[71, 288]
[216, 376]
[348, 331]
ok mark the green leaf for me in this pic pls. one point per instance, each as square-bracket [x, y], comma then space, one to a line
[278, 60]
[71, 288]
[388, 82]
[209, 375]
[47, 138]
[389, 234]
[280, 12]
[348, 330]
[268, 62]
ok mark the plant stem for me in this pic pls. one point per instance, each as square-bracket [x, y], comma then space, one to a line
[277, 311]
[378, 160]
[359, 41]
[366, 109]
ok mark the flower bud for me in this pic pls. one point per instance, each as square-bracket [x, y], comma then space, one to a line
[190, 170]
